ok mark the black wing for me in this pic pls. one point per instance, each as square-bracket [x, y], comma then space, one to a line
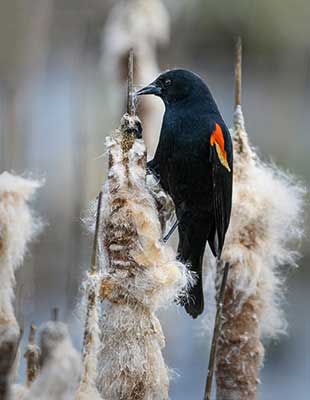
[221, 157]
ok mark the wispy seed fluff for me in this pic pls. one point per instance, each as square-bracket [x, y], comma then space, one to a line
[61, 366]
[17, 228]
[143, 26]
[91, 343]
[140, 275]
[266, 221]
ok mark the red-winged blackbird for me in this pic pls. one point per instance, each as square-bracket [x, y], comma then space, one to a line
[194, 163]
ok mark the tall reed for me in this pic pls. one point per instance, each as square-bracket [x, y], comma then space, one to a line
[265, 224]
[140, 275]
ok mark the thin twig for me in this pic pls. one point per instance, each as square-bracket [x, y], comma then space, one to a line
[55, 314]
[171, 231]
[238, 71]
[216, 334]
[91, 299]
[130, 94]
[95, 241]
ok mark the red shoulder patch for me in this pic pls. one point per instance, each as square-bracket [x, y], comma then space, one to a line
[217, 138]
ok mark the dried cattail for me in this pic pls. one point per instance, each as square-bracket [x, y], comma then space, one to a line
[9, 341]
[17, 227]
[140, 274]
[91, 345]
[32, 355]
[265, 221]
[141, 25]
[61, 365]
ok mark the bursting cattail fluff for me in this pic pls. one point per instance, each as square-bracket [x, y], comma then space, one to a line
[61, 366]
[17, 228]
[143, 26]
[140, 274]
[32, 355]
[265, 223]
[87, 388]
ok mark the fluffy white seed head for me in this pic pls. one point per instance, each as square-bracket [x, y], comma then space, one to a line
[61, 366]
[135, 23]
[266, 223]
[17, 227]
[140, 275]
[141, 25]
[91, 346]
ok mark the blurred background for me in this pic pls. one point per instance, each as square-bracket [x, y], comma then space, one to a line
[62, 88]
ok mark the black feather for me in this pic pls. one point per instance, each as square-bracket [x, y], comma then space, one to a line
[190, 170]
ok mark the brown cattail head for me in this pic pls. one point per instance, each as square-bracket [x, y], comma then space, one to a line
[17, 227]
[32, 356]
[140, 274]
[265, 223]
[61, 365]
[142, 26]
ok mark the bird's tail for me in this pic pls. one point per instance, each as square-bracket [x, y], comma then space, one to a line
[191, 250]
[195, 302]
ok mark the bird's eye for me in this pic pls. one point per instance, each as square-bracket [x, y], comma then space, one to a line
[167, 82]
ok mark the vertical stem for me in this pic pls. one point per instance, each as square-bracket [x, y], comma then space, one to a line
[130, 96]
[216, 334]
[95, 242]
[55, 314]
[238, 71]
[91, 299]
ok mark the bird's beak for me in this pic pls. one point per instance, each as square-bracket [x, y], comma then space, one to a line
[150, 89]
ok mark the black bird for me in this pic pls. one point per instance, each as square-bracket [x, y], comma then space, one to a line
[194, 163]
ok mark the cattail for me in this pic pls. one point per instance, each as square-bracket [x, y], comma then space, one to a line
[91, 344]
[17, 228]
[61, 365]
[9, 341]
[143, 26]
[265, 221]
[32, 356]
[140, 274]
[87, 388]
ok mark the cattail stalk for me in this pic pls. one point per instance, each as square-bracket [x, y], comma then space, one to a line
[240, 352]
[266, 218]
[216, 332]
[87, 388]
[220, 301]
[140, 274]
[143, 26]
[61, 366]
[17, 227]
[32, 356]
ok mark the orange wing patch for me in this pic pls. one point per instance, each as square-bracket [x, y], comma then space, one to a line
[217, 138]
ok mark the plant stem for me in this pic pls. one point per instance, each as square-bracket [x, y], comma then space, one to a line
[130, 95]
[55, 314]
[95, 241]
[238, 71]
[216, 334]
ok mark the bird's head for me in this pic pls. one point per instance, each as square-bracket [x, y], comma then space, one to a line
[175, 85]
